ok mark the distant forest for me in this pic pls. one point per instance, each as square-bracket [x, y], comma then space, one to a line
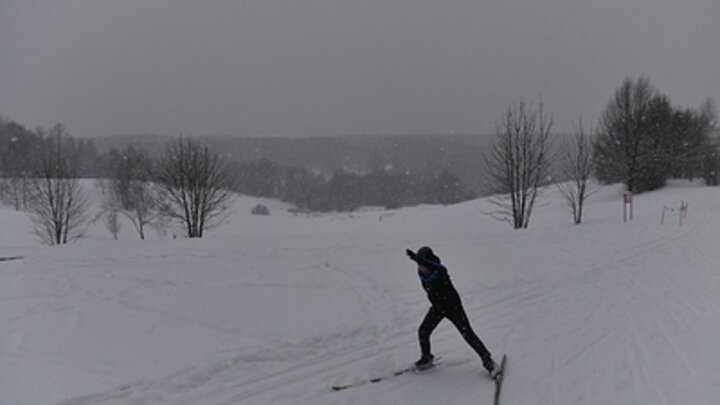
[316, 174]
[342, 173]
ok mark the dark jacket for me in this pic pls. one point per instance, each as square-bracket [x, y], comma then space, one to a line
[440, 290]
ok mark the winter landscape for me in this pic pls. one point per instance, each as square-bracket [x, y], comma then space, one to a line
[277, 309]
[227, 202]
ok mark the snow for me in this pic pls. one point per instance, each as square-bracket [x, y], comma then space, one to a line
[277, 309]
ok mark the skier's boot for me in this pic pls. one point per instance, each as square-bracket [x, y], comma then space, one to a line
[425, 362]
[492, 367]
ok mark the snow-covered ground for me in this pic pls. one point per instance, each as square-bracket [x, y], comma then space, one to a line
[278, 309]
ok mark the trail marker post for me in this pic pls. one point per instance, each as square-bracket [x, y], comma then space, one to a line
[682, 212]
[627, 203]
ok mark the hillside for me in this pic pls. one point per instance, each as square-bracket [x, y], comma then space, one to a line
[276, 310]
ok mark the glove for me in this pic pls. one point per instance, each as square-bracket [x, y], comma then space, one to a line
[411, 254]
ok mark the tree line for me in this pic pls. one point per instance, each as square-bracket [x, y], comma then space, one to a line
[341, 190]
[641, 140]
[186, 190]
[346, 191]
[22, 152]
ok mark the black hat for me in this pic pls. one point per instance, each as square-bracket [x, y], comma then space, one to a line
[426, 253]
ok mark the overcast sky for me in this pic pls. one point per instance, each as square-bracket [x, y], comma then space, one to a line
[334, 67]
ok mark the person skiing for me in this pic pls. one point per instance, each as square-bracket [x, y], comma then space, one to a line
[445, 303]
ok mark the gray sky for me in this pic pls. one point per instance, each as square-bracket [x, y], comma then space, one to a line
[333, 67]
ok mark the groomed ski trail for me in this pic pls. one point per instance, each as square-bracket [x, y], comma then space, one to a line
[612, 322]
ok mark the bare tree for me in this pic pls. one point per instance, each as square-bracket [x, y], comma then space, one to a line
[518, 163]
[58, 206]
[195, 187]
[576, 169]
[130, 191]
[112, 224]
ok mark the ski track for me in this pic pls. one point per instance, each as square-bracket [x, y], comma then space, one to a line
[607, 324]
[526, 318]
[240, 391]
[249, 388]
[319, 368]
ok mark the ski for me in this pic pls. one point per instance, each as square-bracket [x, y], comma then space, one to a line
[396, 373]
[373, 380]
[499, 379]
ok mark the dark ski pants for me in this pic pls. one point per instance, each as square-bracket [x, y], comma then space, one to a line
[458, 317]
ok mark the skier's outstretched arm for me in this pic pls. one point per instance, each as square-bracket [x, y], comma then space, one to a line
[434, 266]
[411, 255]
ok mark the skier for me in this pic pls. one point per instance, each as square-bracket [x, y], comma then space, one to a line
[445, 304]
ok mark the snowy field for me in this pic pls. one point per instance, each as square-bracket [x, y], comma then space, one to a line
[278, 309]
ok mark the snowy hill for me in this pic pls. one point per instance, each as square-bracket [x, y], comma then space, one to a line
[276, 310]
